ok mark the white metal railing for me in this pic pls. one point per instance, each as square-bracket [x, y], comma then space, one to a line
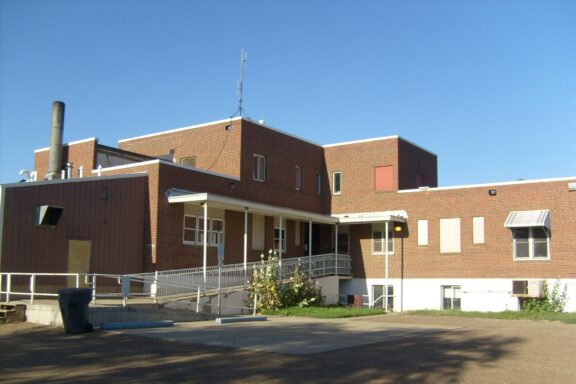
[165, 285]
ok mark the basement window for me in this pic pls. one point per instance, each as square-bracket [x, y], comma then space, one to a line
[48, 216]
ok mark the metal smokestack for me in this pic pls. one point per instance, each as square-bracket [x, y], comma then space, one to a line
[56, 133]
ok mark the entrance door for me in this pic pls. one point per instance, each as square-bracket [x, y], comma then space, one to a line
[315, 239]
[451, 297]
[78, 261]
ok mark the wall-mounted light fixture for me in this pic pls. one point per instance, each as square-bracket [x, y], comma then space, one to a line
[492, 192]
[397, 228]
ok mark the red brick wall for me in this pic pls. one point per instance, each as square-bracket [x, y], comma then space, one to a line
[283, 153]
[79, 154]
[216, 148]
[494, 258]
[357, 162]
[417, 167]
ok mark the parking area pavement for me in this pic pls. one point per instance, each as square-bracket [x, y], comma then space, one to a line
[383, 349]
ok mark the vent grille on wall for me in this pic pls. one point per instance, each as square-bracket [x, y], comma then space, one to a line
[48, 215]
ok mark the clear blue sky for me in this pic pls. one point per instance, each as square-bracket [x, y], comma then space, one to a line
[487, 85]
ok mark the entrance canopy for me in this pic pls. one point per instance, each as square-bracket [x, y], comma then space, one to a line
[372, 217]
[232, 204]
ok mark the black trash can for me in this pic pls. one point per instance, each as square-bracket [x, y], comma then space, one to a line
[74, 309]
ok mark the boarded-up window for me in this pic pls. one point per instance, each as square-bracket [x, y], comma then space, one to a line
[384, 178]
[422, 232]
[258, 232]
[450, 235]
[478, 230]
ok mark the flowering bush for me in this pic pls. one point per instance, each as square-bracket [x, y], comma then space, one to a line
[271, 293]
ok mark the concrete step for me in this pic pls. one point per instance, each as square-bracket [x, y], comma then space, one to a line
[12, 313]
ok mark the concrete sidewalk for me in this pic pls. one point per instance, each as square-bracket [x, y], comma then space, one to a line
[290, 335]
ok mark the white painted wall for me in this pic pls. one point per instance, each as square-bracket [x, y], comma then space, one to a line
[487, 295]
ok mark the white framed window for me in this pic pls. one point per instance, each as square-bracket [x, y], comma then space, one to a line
[298, 177]
[277, 236]
[337, 183]
[189, 235]
[451, 297]
[422, 232]
[259, 168]
[531, 243]
[193, 231]
[478, 230]
[450, 235]
[216, 232]
[379, 239]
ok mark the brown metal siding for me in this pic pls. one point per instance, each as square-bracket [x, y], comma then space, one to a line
[114, 226]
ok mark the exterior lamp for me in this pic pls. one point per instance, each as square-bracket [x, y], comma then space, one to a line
[397, 228]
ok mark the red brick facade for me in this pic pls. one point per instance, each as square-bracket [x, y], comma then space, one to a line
[225, 152]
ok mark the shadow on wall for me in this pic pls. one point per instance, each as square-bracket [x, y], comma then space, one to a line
[49, 355]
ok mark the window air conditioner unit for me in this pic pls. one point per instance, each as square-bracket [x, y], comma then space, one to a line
[528, 288]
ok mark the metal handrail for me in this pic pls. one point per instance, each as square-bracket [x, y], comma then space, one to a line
[183, 283]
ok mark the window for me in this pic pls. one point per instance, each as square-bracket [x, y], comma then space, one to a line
[259, 168]
[217, 232]
[318, 183]
[531, 243]
[379, 297]
[342, 245]
[379, 239]
[298, 178]
[189, 229]
[189, 161]
[451, 297]
[422, 232]
[384, 179]
[193, 232]
[337, 183]
[478, 230]
[277, 236]
[450, 235]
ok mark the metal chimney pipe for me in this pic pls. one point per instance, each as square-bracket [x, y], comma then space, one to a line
[56, 133]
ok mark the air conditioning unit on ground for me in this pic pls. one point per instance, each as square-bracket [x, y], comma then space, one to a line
[528, 288]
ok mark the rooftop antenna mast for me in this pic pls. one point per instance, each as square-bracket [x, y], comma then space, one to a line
[243, 59]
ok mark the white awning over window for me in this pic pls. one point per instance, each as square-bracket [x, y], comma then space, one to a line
[537, 218]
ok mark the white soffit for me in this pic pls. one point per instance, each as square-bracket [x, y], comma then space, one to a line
[536, 218]
[372, 217]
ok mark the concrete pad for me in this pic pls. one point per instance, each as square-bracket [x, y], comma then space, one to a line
[290, 335]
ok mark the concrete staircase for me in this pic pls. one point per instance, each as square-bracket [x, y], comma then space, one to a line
[12, 313]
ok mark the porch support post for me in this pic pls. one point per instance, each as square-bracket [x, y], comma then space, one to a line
[280, 245]
[245, 242]
[336, 250]
[310, 249]
[386, 274]
[205, 245]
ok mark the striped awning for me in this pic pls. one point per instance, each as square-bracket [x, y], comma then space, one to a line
[537, 218]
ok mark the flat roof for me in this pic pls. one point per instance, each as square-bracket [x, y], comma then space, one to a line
[486, 185]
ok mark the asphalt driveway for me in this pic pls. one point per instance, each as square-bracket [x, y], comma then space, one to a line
[385, 349]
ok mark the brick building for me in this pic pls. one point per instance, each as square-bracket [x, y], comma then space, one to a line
[174, 199]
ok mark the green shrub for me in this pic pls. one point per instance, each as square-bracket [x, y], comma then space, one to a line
[271, 293]
[553, 301]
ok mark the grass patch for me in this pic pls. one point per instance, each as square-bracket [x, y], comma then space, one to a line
[564, 317]
[326, 312]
